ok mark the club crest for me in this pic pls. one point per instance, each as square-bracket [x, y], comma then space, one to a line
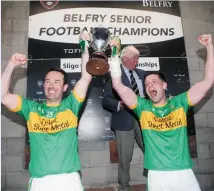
[49, 4]
[39, 83]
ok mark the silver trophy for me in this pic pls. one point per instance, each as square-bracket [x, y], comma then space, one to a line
[99, 42]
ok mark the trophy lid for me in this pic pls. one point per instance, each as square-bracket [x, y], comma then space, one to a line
[99, 38]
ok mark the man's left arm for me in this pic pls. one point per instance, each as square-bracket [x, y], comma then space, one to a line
[81, 86]
[199, 90]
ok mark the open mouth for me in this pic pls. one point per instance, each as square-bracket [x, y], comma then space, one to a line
[51, 91]
[153, 93]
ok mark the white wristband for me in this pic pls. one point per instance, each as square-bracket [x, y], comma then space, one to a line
[115, 67]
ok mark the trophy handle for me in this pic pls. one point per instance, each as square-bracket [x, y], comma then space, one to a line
[92, 31]
[116, 46]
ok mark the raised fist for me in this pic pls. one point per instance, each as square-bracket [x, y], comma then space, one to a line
[18, 59]
[84, 35]
[205, 39]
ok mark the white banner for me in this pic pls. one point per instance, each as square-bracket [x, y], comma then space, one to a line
[148, 64]
[133, 26]
[71, 65]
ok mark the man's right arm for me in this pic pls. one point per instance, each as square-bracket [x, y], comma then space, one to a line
[126, 94]
[11, 101]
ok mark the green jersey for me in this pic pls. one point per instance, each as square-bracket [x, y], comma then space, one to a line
[164, 131]
[53, 135]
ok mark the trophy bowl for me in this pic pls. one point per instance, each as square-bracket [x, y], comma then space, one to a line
[98, 61]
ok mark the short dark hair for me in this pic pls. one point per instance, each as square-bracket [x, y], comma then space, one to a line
[161, 76]
[60, 71]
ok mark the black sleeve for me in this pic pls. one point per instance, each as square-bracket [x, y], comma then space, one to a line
[111, 99]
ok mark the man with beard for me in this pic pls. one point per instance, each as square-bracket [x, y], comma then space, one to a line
[52, 126]
[164, 124]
